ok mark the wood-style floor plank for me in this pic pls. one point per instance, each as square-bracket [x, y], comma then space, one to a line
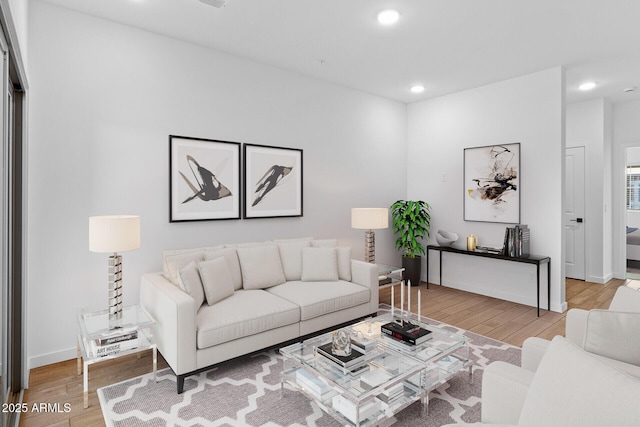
[502, 320]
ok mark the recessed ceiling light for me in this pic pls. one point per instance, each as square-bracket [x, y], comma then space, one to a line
[388, 17]
[417, 89]
[587, 86]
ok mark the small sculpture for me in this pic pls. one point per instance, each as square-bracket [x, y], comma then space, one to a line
[445, 238]
[341, 345]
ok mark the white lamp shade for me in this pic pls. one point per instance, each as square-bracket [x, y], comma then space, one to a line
[369, 218]
[114, 233]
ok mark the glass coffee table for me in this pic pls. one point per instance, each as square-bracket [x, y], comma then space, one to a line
[385, 379]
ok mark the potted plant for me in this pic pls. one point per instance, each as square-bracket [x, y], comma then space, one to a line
[411, 221]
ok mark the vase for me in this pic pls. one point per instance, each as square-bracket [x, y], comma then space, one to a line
[412, 270]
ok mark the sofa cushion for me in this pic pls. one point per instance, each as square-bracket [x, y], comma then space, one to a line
[245, 313]
[319, 264]
[573, 388]
[247, 244]
[319, 298]
[261, 266]
[174, 262]
[190, 282]
[324, 243]
[216, 279]
[231, 256]
[291, 257]
[344, 263]
[297, 239]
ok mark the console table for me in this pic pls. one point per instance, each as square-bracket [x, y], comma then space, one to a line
[537, 260]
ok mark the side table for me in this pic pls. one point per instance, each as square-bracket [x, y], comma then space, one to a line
[98, 342]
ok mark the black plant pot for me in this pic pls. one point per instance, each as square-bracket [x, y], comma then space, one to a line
[412, 270]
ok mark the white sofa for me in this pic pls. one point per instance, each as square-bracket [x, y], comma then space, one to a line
[213, 304]
[566, 387]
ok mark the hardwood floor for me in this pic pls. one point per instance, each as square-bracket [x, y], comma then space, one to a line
[498, 319]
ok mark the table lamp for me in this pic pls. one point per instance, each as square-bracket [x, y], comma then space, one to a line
[369, 219]
[113, 234]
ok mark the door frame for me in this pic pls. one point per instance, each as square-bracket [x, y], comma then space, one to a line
[619, 193]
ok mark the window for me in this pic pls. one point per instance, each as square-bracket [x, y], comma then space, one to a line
[633, 187]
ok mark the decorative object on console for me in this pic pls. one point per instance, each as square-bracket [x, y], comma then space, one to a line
[472, 242]
[446, 238]
[204, 179]
[273, 181]
[369, 219]
[411, 222]
[113, 234]
[492, 183]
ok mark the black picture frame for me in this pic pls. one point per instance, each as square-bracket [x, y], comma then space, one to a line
[492, 183]
[273, 182]
[204, 179]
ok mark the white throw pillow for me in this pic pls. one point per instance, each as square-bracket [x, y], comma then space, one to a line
[173, 263]
[298, 239]
[344, 263]
[261, 267]
[232, 259]
[291, 257]
[189, 281]
[216, 279]
[319, 265]
[324, 243]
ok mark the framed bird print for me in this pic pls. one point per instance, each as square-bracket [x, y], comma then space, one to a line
[272, 181]
[204, 181]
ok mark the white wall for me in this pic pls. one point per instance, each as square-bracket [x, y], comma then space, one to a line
[588, 125]
[626, 134]
[529, 110]
[104, 99]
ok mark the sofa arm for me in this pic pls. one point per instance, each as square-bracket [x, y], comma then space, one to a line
[366, 274]
[533, 349]
[504, 390]
[175, 315]
[576, 326]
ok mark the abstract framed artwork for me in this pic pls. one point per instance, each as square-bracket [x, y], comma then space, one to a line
[204, 179]
[492, 183]
[272, 182]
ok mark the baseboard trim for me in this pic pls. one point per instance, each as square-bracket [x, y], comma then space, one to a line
[50, 358]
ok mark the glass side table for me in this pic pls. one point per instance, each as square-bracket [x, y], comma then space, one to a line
[97, 342]
[392, 275]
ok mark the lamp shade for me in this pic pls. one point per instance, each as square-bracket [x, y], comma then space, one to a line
[369, 218]
[114, 233]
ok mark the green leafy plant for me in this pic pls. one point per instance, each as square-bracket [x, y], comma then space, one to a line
[411, 221]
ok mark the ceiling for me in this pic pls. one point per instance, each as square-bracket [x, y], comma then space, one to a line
[446, 45]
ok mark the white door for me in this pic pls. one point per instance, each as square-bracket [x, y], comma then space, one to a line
[574, 213]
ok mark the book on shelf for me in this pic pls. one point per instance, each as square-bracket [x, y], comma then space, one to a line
[350, 409]
[113, 339]
[392, 394]
[313, 384]
[110, 349]
[516, 241]
[407, 332]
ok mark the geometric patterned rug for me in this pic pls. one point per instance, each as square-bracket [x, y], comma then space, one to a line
[246, 392]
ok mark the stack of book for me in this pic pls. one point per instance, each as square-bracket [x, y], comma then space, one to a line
[110, 344]
[406, 332]
[354, 360]
[516, 241]
[392, 394]
[314, 385]
[350, 409]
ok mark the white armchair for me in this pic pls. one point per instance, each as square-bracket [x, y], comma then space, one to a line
[613, 334]
[569, 387]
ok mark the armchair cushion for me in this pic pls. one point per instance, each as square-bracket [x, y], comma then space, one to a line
[572, 387]
[614, 334]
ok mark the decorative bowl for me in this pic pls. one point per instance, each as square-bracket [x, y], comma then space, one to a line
[445, 238]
